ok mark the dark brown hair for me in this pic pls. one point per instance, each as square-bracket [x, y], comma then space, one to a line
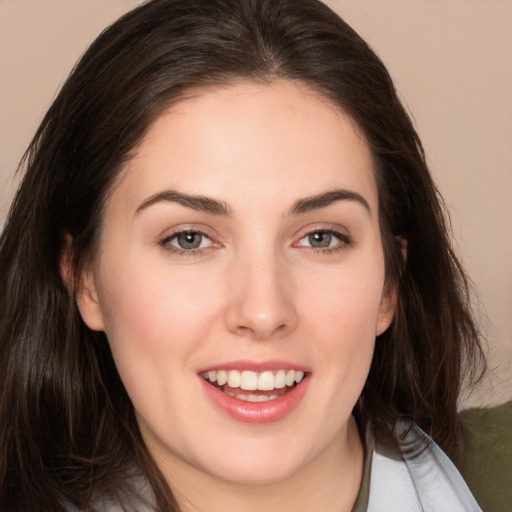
[68, 431]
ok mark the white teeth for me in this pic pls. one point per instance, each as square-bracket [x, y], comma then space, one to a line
[222, 377]
[252, 381]
[249, 381]
[233, 379]
[266, 381]
[280, 379]
[256, 398]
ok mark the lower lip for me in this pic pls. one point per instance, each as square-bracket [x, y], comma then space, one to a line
[257, 412]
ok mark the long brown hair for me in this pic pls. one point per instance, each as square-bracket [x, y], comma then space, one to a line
[68, 435]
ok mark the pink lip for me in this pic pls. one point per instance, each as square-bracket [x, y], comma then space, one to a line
[256, 366]
[257, 412]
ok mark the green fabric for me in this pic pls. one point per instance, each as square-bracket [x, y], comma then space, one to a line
[487, 461]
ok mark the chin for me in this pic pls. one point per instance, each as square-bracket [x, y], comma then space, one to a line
[247, 472]
[256, 460]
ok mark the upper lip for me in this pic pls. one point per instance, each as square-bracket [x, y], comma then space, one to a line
[256, 366]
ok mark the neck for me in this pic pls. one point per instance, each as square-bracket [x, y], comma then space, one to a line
[330, 482]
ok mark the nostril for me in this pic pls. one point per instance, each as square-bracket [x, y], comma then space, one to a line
[261, 332]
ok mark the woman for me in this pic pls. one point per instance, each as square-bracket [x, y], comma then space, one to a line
[227, 280]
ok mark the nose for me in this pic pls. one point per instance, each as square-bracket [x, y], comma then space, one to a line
[261, 302]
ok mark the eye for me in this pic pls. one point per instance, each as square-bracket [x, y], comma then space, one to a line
[187, 241]
[325, 240]
[319, 239]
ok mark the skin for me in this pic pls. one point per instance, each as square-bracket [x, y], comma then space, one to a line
[257, 290]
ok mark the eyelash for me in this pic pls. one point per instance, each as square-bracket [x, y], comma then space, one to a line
[166, 243]
[345, 242]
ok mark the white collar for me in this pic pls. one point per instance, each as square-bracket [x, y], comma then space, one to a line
[428, 482]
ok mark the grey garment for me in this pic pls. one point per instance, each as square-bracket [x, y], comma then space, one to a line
[111, 506]
[141, 500]
[428, 482]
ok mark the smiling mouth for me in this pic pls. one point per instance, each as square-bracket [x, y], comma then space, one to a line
[254, 386]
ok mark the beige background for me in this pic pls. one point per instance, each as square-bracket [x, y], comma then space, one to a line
[451, 61]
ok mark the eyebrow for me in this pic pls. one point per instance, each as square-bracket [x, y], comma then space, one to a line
[199, 203]
[216, 207]
[325, 199]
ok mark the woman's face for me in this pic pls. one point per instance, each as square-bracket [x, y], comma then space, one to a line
[242, 242]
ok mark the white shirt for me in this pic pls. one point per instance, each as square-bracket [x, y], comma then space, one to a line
[428, 482]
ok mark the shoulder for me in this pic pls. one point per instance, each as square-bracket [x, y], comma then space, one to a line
[427, 482]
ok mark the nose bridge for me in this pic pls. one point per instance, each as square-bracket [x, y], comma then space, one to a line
[261, 303]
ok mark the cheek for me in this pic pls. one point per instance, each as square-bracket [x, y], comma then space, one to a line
[154, 307]
[346, 299]
[345, 333]
[342, 316]
[155, 322]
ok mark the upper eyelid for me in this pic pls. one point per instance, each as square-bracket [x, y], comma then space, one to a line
[322, 230]
[166, 243]
[190, 230]
[341, 236]
[337, 230]
[315, 228]
[165, 240]
[344, 240]
[173, 232]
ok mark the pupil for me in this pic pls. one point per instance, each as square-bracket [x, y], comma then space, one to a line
[320, 239]
[189, 240]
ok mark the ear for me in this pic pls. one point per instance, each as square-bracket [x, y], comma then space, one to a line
[85, 290]
[387, 308]
[65, 265]
[88, 303]
[402, 245]
[389, 299]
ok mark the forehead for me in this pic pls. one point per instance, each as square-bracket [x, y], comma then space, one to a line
[246, 141]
